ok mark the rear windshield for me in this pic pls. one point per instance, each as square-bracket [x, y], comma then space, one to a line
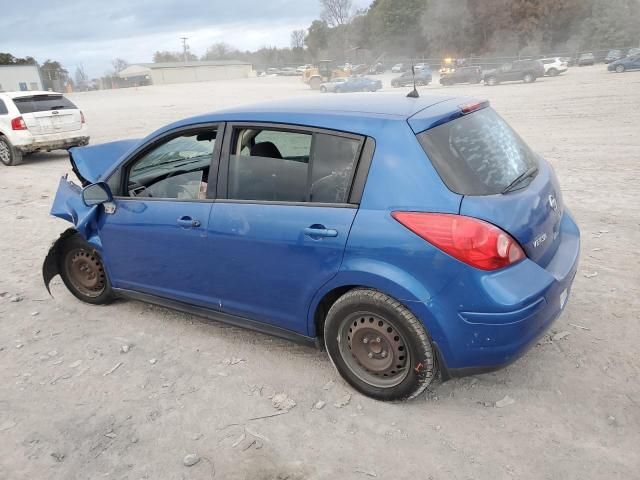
[478, 154]
[43, 103]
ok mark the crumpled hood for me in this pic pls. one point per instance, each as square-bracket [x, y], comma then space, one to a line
[92, 162]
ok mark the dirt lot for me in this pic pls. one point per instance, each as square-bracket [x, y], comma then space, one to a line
[190, 386]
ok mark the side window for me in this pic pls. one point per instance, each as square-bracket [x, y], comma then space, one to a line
[176, 169]
[334, 162]
[3, 108]
[286, 166]
[269, 165]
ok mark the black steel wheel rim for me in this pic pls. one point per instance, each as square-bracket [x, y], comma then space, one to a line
[85, 271]
[374, 349]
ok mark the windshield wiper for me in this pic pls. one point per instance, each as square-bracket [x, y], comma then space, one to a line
[530, 172]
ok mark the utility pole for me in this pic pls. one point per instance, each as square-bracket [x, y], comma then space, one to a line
[185, 47]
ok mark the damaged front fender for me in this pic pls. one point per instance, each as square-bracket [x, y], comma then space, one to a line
[69, 206]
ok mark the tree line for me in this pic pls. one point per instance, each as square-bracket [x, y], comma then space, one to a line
[437, 28]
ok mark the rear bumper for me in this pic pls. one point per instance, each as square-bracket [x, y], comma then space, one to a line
[26, 142]
[518, 305]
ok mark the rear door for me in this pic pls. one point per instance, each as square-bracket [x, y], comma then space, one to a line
[481, 157]
[49, 113]
[281, 222]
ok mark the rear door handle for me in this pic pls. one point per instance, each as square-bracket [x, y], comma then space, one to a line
[188, 222]
[320, 232]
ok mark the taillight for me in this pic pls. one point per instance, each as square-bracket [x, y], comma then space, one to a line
[18, 124]
[472, 241]
[82, 120]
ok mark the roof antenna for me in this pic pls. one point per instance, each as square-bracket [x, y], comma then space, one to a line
[413, 93]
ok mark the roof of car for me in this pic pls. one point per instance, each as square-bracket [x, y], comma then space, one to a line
[390, 104]
[29, 93]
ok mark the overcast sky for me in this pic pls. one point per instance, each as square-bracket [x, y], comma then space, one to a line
[92, 33]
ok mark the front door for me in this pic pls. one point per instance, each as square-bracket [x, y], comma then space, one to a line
[155, 239]
[280, 233]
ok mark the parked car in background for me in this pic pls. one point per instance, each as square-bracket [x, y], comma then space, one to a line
[586, 59]
[377, 69]
[398, 68]
[624, 64]
[613, 55]
[422, 78]
[359, 69]
[408, 236]
[288, 72]
[554, 66]
[273, 71]
[302, 68]
[462, 75]
[358, 84]
[331, 85]
[526, 71]
[633, 51]
[421, 66]
[34, 121]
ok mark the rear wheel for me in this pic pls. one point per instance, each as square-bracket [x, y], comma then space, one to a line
[9, 155]
[553, 72]
[528, 78]
[619, 68]
[323, 89]
[83, 273]
[379, 346]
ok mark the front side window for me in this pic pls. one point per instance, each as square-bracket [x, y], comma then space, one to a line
[176, 169]
[291, 166]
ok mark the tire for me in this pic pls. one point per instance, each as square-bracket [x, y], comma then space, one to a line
[323, 89]
[315, 83]
[620, 68]
[82, 272]
[9, 155]
[491, 81]
[553, 72]
[382, 331]
[528, 78]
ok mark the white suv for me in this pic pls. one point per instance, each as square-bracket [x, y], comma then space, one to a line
[33, 121]
[554, 66]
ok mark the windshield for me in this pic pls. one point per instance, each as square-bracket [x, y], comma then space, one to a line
[478, 154]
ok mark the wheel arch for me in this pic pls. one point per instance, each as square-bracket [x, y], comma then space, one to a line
[51, 264]
[384, 278]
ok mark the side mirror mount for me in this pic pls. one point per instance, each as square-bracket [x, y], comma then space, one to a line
[96, 194]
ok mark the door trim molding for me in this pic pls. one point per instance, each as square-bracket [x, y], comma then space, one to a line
[218, 316]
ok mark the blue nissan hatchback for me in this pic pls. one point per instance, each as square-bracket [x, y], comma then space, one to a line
[405, 235]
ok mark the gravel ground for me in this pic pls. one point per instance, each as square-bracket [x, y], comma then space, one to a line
[74, 405]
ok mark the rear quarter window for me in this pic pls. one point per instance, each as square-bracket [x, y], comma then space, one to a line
[43, 103]
[3, 108]
[478, 154]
